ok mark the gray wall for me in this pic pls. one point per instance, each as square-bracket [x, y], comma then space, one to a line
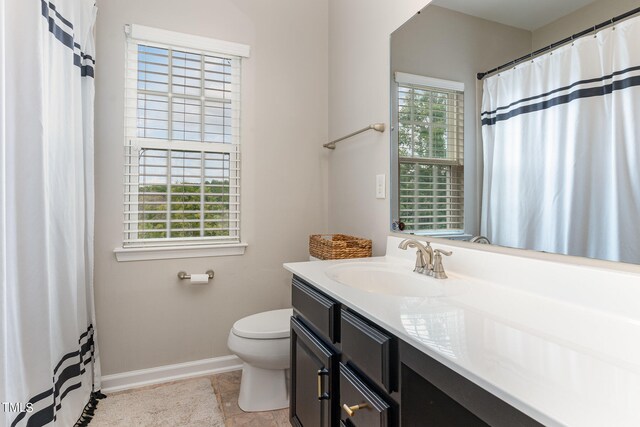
[588, 16]
[146, 317]
[450, 45]
[358, 96]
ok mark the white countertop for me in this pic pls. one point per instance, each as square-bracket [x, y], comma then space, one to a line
[559, 361]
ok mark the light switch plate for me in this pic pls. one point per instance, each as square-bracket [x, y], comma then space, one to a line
[381, 190]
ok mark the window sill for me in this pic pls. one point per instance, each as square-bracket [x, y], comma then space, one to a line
[175, 252]
[455, 236]
[450, 236]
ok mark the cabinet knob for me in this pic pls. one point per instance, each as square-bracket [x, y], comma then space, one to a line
[350, 410]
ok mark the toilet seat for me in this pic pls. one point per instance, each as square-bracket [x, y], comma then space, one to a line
[264, 326]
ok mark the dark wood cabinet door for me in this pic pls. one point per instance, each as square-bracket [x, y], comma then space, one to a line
[312, 379]
[434, 395]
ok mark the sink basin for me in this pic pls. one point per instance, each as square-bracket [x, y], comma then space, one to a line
[385, 278]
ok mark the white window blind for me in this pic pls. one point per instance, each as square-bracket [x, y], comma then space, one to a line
[430, 155]
[182, 157]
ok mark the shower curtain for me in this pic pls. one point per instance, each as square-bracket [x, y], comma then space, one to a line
[49, 366]
[561, 149]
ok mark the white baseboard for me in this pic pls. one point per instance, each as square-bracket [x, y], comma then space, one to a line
[163, 374]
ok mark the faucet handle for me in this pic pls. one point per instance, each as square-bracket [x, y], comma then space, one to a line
[438, 268]
[421, 263]
[443, 252]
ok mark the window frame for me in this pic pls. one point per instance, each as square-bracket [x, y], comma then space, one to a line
[183, 247]
[398, 80]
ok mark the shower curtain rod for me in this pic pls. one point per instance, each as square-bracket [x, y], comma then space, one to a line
[561, 42]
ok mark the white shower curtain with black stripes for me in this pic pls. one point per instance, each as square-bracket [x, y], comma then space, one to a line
[561, 140]
[49, 370]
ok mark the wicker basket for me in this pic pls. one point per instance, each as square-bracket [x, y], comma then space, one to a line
[338, 246]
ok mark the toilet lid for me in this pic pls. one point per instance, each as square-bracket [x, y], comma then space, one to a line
[266, 325]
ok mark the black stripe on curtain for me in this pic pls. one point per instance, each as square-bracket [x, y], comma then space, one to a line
[84, 62]
[60, 389]
[565, 99]
[562, 89]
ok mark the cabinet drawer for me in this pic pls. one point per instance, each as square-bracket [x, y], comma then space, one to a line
[359, 405]
[372, 351]
[316, 309]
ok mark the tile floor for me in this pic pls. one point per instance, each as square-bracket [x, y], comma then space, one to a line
[227, 386]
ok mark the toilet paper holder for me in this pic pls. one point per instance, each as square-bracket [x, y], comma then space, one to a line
[182, 275]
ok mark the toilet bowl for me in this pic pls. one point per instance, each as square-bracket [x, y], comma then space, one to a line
[262, 342]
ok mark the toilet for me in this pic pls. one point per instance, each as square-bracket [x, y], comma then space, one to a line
[262, 342]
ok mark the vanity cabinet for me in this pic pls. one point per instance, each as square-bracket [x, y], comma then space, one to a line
[343, 369]
[347, 371]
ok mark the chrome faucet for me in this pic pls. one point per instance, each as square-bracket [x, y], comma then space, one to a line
[424, 255]
[433, 266]
[480, 239]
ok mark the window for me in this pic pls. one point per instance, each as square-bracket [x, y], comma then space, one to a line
[430, 150]
[182, 140]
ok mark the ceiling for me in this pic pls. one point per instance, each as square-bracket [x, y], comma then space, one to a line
[526, 14]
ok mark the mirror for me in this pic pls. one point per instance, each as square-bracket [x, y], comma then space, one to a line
[443, 178]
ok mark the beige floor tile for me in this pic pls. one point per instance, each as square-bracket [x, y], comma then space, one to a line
[228, 382]
[253, 419]
[282, 417]
[227, 388]
[214, 382]
[230, 404]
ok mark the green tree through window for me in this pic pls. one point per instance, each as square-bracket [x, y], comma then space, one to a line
[430, 151]
[182, 181]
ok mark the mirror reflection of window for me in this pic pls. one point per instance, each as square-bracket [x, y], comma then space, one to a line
[430, 147]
